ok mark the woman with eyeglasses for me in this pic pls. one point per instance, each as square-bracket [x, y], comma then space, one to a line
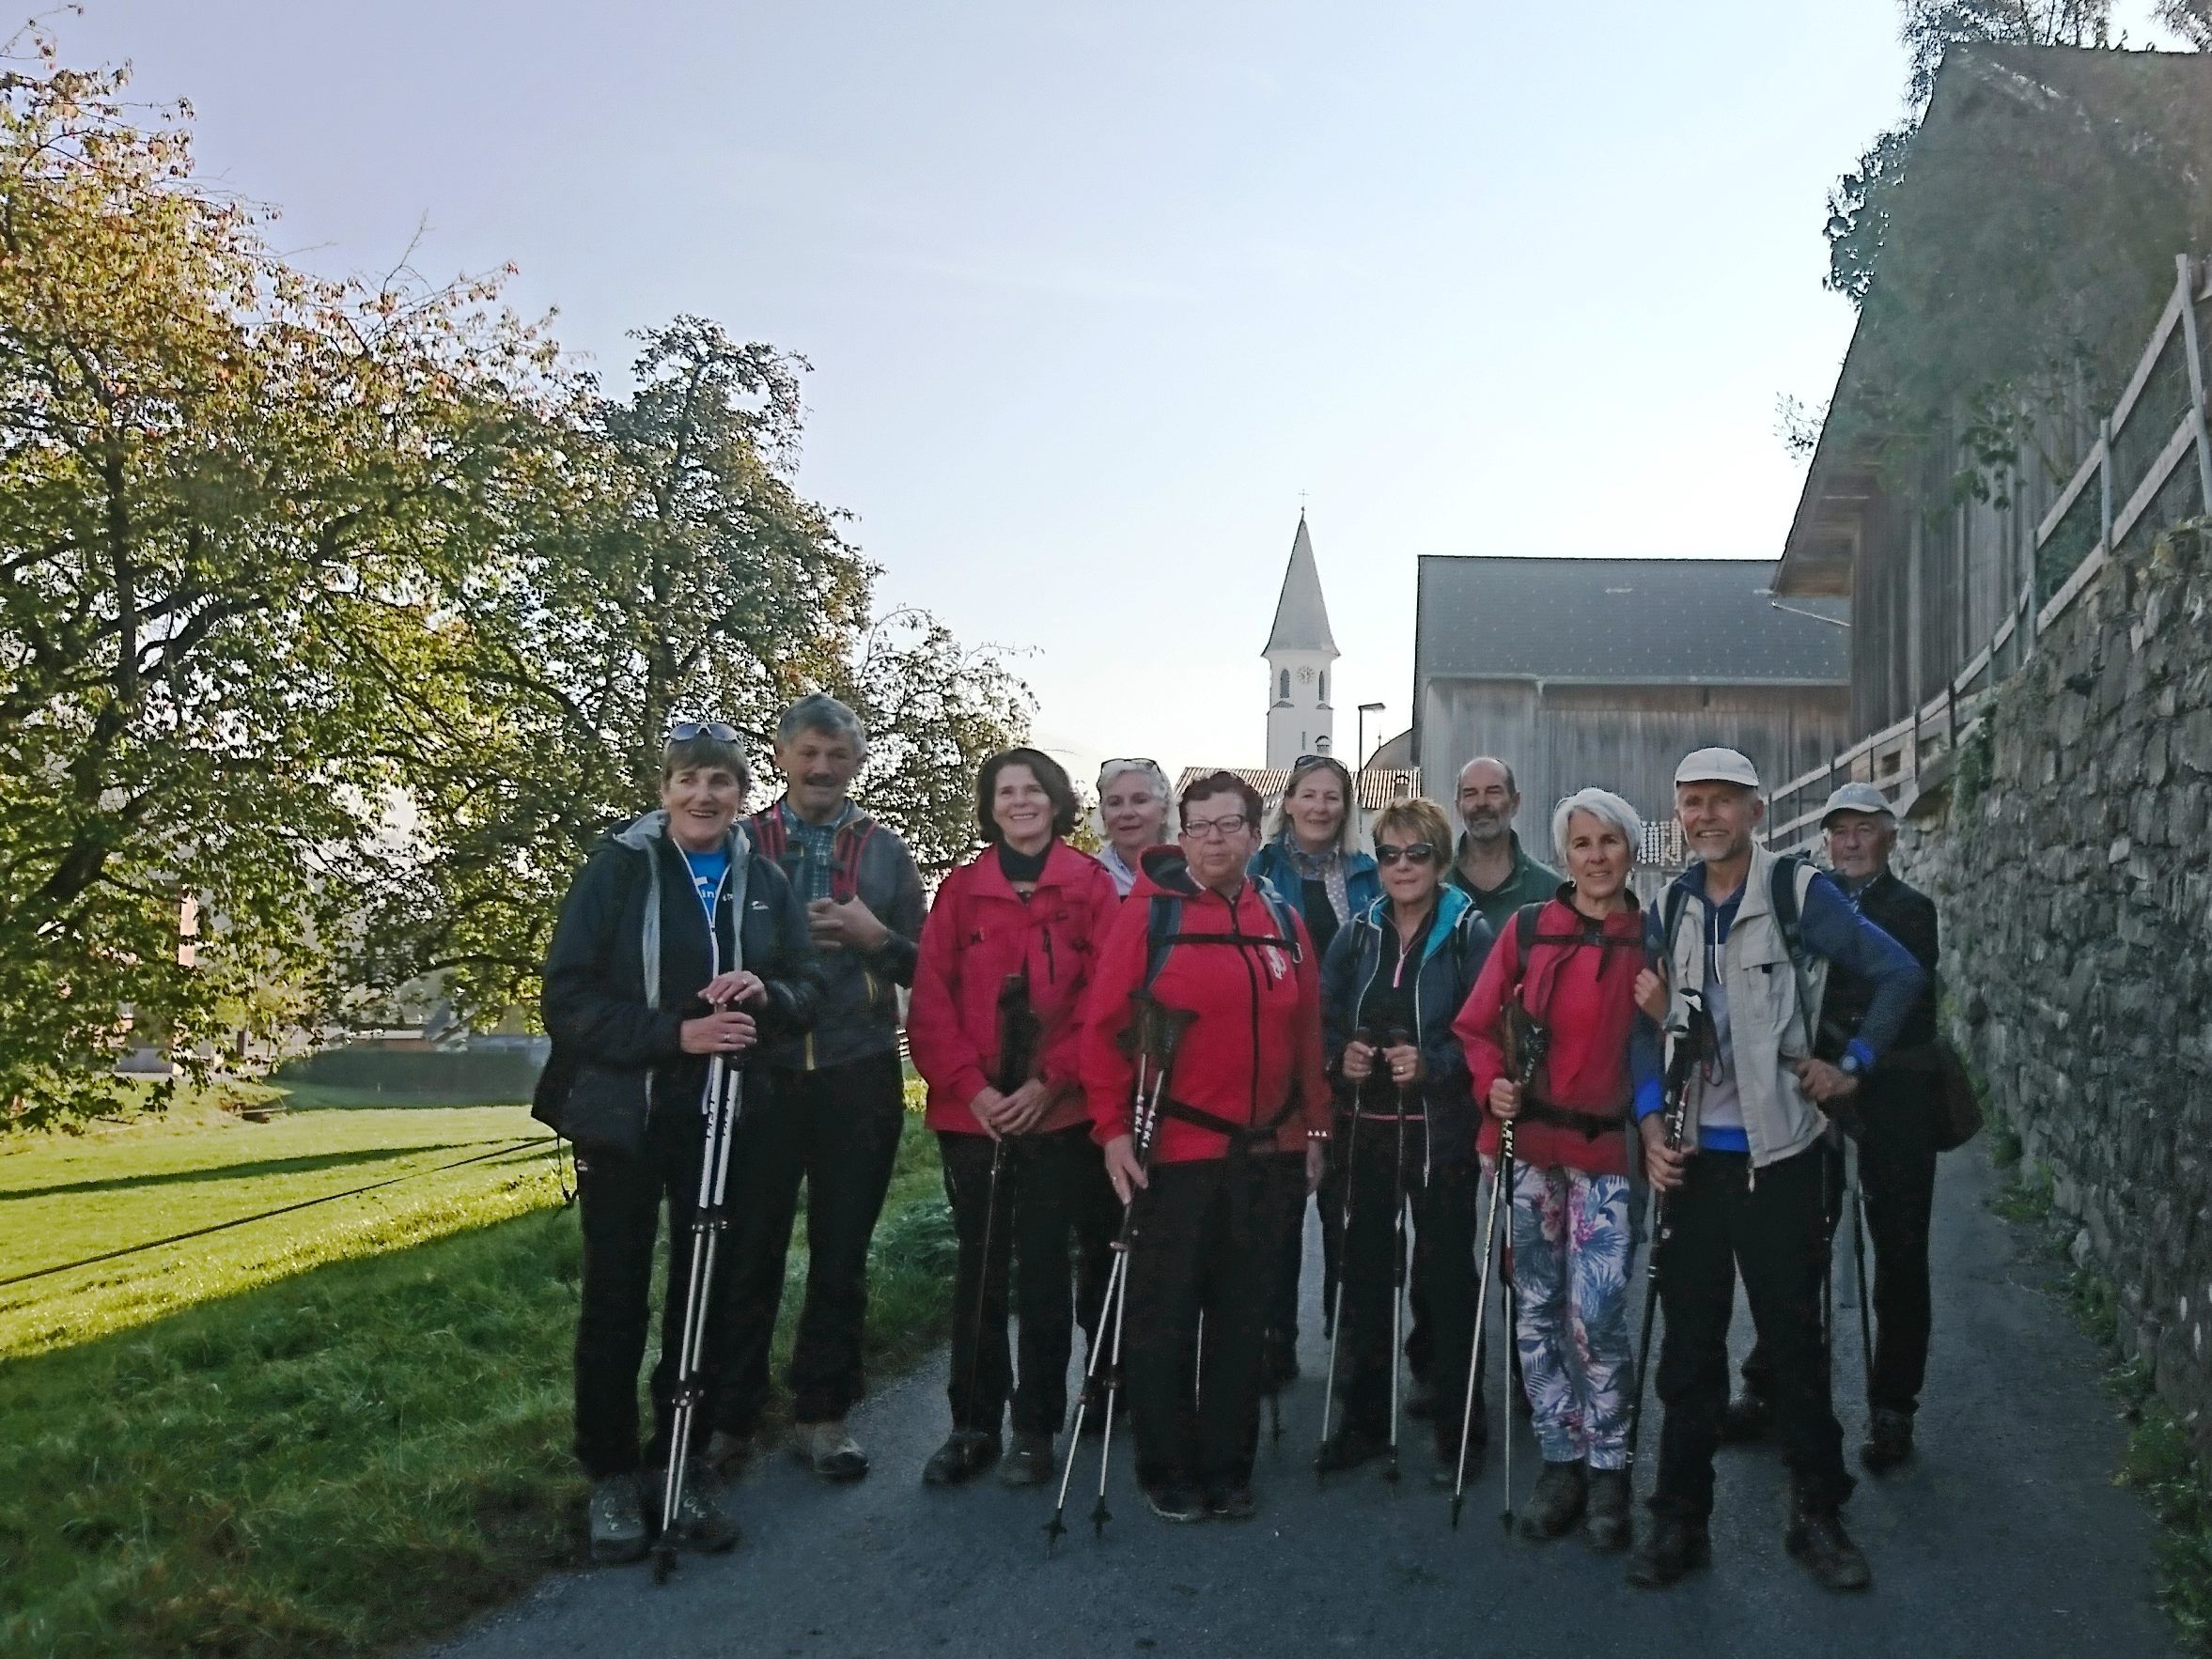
[1237, 1142]
[1573, 963]
[675, 946]
[1312, 858]
[1005, 957]
[1132, 806]
[1395, 977]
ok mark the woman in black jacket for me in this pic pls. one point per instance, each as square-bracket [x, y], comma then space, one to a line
[674, 946]
[1394, 977]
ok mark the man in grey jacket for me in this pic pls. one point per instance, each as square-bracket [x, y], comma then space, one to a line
[837, 1126]
[1744, 1189]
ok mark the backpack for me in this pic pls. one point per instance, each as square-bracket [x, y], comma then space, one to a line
[1782, 883]
[773, 842]
[1163, 922]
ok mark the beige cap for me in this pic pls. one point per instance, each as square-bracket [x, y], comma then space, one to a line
[1717, 765]
[1857, 798]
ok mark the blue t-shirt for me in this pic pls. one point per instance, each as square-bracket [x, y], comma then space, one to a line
[707, 869]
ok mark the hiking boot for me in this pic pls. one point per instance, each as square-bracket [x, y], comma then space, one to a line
[1888, 1441]
[829, 1450]
[1749, 1417]
[1674, 1546]
[1420, 1399]
[728, 1452]
[965, 1455]
[1030, 1463]
[1556, 1503]
[1816, 1538]
[617, 1518]
[1177, 1500]
[1606, 1526]
[1231, 1503]
[1348, 1449]
[699, 1523]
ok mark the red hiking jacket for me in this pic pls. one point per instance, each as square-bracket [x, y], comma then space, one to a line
[1256, 1043]
[979, 931]
[1586, 994]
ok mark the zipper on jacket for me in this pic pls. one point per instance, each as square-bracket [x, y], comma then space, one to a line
[1049, 977]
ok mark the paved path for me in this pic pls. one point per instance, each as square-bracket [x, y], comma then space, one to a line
[2005, 1538]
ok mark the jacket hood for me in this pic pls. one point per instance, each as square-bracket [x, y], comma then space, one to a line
[1452, 905]
[1163, 869]
[640, 833]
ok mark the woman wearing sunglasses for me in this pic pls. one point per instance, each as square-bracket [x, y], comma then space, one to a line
[675, 946]
[1395, 978]
[1312, 858]
[1573, 963]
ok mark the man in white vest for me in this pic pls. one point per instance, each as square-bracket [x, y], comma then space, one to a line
[1754, 936]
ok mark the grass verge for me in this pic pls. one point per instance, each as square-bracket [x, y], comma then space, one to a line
[348, 1460]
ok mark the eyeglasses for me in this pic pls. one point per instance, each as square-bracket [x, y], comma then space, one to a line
[1318, 760]
[1128, 762]
[683, 731]
[1417, 852]
[1215, 829]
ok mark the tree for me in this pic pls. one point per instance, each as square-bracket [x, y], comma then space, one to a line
[2189, 18]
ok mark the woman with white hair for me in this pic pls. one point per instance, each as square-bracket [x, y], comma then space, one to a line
[1132, 810]
[1572, 963]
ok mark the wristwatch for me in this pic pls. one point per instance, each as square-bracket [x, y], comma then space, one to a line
[1851, 1065]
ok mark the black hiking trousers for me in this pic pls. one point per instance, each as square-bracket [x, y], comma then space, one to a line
[1042, 1184]
[1206, 1242]
[620, 1195]
[836, 1130]
[1773, 1230]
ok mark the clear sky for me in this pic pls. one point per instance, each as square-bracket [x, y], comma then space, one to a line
[1092, 292]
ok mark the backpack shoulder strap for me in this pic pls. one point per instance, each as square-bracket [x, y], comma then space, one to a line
[1524, 939]
[845, 883]
[1671, 917]
[1279, 908]
[1163, 919]
[1788, 878]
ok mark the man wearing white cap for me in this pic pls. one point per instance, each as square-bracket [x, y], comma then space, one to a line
[1897, 1110]
[1745, 1189]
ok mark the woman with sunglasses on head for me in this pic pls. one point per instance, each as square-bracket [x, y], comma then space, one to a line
[675, 947]
[1005, 957]
[1395, 977]
[1133, 808]
[1312, 858]
[1573, 963]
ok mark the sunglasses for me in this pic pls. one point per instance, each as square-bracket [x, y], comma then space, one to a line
[683, 731]
[1417, 852]
[1128, 762]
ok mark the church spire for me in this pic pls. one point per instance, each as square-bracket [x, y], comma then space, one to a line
[1302, 619]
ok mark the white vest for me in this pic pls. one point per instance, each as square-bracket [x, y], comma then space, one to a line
[1768, 999]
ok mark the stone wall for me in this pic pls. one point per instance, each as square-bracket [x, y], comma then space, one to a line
[2072, 863]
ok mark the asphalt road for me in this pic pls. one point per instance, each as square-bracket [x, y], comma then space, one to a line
[2005, 1537]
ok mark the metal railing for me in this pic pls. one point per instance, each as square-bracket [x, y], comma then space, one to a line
[2091, 513]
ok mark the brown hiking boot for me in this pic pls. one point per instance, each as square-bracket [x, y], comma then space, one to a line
[1816, 1538]
[1606, 1526]
[1030, 1461]
[1672, 1547]
[1556, 1504]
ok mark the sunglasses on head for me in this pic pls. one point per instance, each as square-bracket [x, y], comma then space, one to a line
[1416, 852]
[683, 731]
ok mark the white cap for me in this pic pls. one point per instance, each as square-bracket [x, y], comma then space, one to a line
[1717, 765]
[1857, 798]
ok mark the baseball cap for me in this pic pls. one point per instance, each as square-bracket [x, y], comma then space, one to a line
[1717, 765]
[1856, 798]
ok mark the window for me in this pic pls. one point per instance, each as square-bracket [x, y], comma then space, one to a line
[1324, 698]
[1283, 689]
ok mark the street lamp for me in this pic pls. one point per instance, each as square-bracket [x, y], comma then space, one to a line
[1360, 754]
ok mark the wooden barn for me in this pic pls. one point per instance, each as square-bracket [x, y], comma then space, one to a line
[2039, 237]
[1578, 672]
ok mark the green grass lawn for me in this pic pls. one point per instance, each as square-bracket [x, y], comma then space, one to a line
[337, 1431]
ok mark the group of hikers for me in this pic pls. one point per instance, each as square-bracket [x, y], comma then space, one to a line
[1143, 1065]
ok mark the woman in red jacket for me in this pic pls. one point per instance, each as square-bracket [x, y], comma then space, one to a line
[1237, 1150]
[1573, 963]
[1004, 957]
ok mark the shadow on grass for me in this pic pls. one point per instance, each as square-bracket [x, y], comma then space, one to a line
[304, 1164]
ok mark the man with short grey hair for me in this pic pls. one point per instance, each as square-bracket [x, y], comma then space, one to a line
[837, 1127]
[1491, 869]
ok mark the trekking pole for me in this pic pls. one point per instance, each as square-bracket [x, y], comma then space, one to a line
[1365, 1038]
[1016, 1052]
[1397, 1038]
[1475, 1358]
[1674, 1115]
[1159, 1032]
[1528, 1039]
[726, 1092]
[1858, 1171]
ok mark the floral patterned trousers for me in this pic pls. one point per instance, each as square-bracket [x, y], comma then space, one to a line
[1571, 1252]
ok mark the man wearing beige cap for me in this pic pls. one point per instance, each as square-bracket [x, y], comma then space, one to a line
[1897, 1110]
[1744, 1187]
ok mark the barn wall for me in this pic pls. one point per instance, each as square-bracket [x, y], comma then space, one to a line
[1627, 739]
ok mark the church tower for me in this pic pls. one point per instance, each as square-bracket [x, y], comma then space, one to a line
[1300, 651]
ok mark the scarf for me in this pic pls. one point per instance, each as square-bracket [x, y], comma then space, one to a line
[1327, 869]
